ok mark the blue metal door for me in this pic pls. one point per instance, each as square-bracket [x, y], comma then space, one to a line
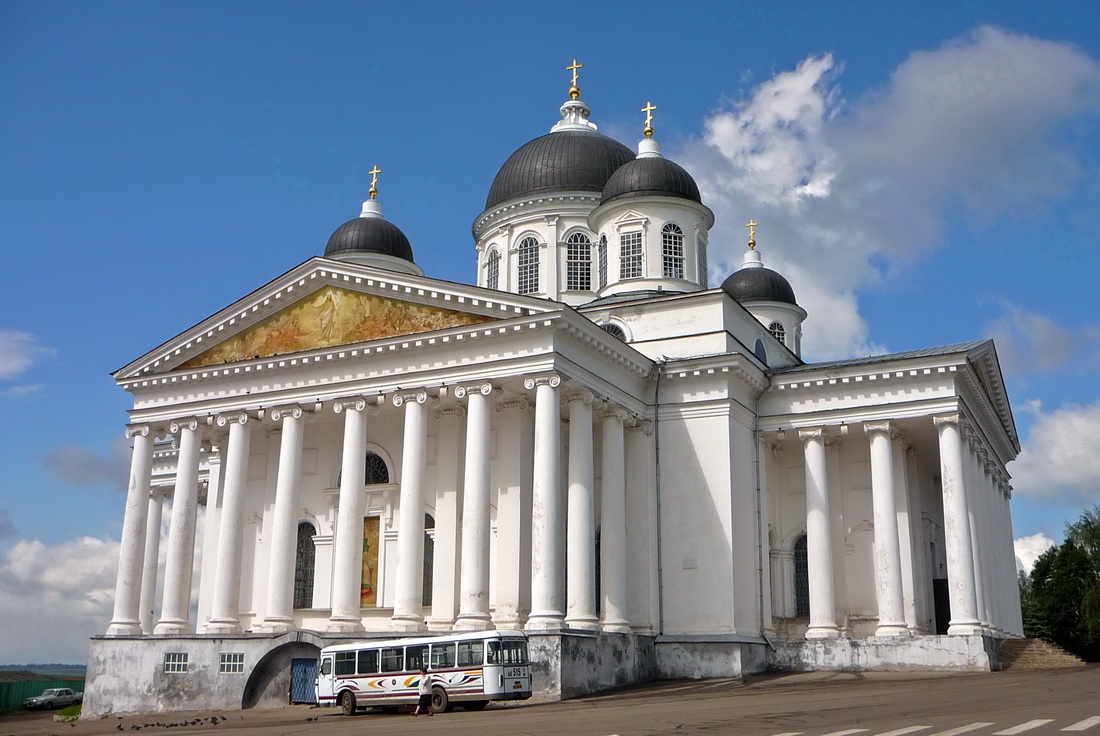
[303, 681]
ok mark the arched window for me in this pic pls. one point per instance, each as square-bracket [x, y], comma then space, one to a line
[630, 256]
[527, 281]
[672, 251]
[578, 263]
[492, 269]
[613, 329]
[376, 472]
[778, 332]
[304, 561]
[801, 578]
[603, 261]
[429, 558]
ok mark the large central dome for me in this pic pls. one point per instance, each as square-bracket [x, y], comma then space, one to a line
[565, 160]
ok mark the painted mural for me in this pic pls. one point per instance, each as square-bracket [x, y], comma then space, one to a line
[332, 316]
[368, 588]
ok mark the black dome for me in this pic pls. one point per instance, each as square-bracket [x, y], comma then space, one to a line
[370, 235]
[651, 175]
[564, 160]
[758, 284]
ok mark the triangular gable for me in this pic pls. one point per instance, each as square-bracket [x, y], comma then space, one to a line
[630, 216]
[332, 316]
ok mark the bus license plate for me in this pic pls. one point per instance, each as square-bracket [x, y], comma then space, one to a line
[516, 672]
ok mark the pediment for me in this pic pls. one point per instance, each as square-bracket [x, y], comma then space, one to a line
[326, 304]
[630, 217]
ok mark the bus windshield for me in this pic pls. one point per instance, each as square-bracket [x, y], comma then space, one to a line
[507, 651]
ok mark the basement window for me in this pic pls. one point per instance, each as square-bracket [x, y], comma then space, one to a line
[175, 663]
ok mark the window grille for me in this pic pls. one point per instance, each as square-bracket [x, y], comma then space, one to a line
[232, 663]
[672, 251]
[377, 472]
[613, 329]
[304, 562]
[492, 265]
[603, 261]
[801, 578]
[175, 663]
[778, 332]
[527, 281]
[578, 263]
[630, 256]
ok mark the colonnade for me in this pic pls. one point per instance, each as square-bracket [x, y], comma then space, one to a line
[977, 526]
[562, 533]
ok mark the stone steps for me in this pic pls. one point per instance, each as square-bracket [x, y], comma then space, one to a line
[1035, 654]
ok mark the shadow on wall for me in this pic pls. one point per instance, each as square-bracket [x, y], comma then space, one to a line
[269, 684]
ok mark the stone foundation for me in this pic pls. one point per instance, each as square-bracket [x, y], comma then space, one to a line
[886, 653]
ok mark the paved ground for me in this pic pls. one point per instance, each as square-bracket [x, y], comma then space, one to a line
[1028, 703]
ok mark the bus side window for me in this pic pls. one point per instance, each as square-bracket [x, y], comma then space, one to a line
[443, 656]
[416, 657]
[345, 663]
[471, 653]
[368, 661]
[494, 653]
[393, 659]
[326, 666]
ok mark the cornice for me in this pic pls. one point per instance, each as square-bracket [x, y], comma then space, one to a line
[524, 207]
[863, 378]
[729, 364]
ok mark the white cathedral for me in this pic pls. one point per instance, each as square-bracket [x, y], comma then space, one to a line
[591, 445]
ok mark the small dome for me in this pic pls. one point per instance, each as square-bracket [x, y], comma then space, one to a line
[565, 160]
[369, 235]
[758, 284]
[653, 175]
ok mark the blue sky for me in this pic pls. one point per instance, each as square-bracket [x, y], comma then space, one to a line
[924, 173]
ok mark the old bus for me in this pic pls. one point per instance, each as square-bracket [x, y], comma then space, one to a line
[469, 668]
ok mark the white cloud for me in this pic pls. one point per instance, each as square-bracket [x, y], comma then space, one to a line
[1059, 458]
[1029, 342]
[18, 352]
[1028, 550]
[851, 191]
[53, 598]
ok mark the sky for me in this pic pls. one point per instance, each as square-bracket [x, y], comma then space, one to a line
[923, 173]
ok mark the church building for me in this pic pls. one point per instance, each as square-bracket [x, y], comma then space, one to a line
[592, 444]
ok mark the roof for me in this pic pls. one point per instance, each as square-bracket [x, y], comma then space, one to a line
[369, 235]
[759, 284]
[962, 347]
[651, 176]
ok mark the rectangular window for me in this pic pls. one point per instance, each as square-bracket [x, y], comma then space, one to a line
[527, 263]
[602, 256]
[443, 656]
[232, 663]
[175, 662]
[492, 278]
[509, 651]
[630, 256]
[393, 659]
[368, 661]
[416, 657]
[345, 663]
[471, 653]
[578, 263]
[672, 253]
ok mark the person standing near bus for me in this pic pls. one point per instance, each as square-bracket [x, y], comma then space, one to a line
[425, 690]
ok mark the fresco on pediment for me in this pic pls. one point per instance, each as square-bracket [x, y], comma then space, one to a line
[329, 317]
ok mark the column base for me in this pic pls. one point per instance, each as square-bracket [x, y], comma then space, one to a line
[344, 626]
[615, 627]
[223, 627]
[965, 628]
[124, 628]
[276, 626]
[407, 624]
[172, 627]
[544, 623]
[822, 632]
[892, 630]
[473, 622]
[582, 623]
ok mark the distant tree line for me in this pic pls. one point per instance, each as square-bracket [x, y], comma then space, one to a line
[1061, 597]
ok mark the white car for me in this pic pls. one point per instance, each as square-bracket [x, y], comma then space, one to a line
[54, 697]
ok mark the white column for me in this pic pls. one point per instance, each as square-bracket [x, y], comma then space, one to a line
[547, 527]
[511, 477]
[347, 563]
[284, 532]
[473, 612]
[956, 519]
[613, 568]
[126, 619]
[819, 548]
[764, 451]
[408, 606]
[838, 530]
[450, 424]
[887, 557]
[903, 501]
[972, 475]
[642, 558]
[152, 558]
[580, 516]
[176, 605]
[225, 610]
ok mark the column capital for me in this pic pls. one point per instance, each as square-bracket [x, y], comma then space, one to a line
[134, 430]
[645, 426]
[296, 411]
[813, 433]
[356, 403]
[178, 425]
[610, 410]
[947, 419]
[236, 417]
[881, 428]
[550, 379]
[400, 398]
[451, 411]
[484, 388]
[578, 395]
[515, 403]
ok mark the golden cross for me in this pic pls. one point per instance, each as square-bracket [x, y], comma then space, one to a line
[374, 172]
[648, 110]
[751, 225]
[574, 69]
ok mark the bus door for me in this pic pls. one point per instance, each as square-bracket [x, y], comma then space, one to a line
[325, 681]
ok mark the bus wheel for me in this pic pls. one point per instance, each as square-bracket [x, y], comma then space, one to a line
[347, 702]
[440, 701]
[475, 704]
